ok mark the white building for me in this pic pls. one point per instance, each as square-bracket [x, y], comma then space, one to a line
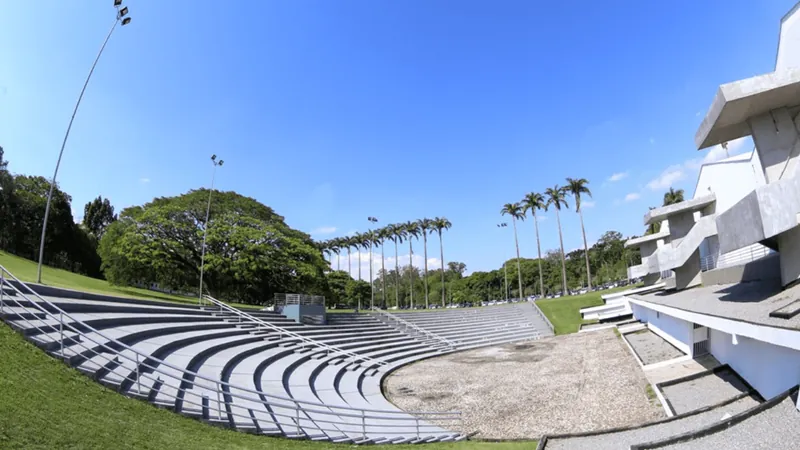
[738, 238]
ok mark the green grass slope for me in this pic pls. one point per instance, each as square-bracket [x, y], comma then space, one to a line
[45, 404]
[564, 312]
[26, 270]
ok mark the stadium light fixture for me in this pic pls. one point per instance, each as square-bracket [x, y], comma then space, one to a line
[216, 164]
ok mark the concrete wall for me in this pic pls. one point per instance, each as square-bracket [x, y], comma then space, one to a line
[789, 41]
[770, 369]
[676, 331]
[729, 180]
[767, 268]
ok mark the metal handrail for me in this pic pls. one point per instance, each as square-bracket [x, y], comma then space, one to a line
[222, 389]
[543, 316]
[330, 348]
[408, 324]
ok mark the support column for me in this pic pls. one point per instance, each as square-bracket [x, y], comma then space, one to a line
[688, 274]
[775, 136]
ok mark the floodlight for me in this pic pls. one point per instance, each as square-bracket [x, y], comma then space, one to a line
[126, 21]
[117, 2]
[213, 157]
[220, 162]
[123, 12]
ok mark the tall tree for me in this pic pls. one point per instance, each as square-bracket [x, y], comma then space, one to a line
[383, 234]
[515, 211]
[577, 187]
[557, 198]
[654, 227]
[348, 242]
[412, 231]
[673, 196]
[3, 162]
[336, 248]
[98, 215]
[425, 227]
[440, 224]
[533, 202]
[358, 242]
[396, 233]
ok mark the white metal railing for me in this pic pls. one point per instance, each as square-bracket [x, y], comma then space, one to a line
[734, 258]
[245, 317]
[298, 299]
[389, 316]
[87, 343]
[544, 317]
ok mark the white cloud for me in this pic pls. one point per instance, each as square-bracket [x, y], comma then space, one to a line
[718, 153]
[144, 180]
[617, 176]
[324, 230]
[698, 113]
[667, 178]
[652, 141]
[588, 204]
[632, 196]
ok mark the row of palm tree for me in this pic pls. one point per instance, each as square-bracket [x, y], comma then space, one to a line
[556, 197]
[397, 233]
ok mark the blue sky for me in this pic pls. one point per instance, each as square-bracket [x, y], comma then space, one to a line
[332, 111]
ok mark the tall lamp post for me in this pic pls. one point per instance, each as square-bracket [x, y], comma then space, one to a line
[505, 268]
[371, 284]
[208, 214]
[123, 19]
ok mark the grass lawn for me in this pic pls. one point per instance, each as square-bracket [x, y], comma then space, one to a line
[564, 312]
[25, 270]
[46, 405]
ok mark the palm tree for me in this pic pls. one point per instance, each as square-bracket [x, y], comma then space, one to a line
[556, 197]
[425, 226]
[383, 234]
[336, 248]
[412, 230]
[534, 201]
[370, 238]
[325, 247]
[515, 211]
[654, 227]
[348, 242]
[396, 234]
[577, 187]
[672, 196]
[358, 242]
[439, 224]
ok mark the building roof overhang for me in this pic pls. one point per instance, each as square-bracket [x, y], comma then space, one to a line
[636, 242]
[695, 204]
[736, 102]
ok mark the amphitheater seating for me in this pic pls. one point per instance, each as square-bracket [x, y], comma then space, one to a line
[225, 369]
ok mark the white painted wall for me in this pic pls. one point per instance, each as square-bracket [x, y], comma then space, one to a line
[789, 41]
[770, 369]
[675, 331]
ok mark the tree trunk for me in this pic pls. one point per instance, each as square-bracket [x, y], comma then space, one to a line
[519, 270]
[539, 249]
[338, 263]
[371, 284]
[441, 254]
[563, 258]
[383, 275]
[586, 253]
[425, 273]
[396, 277]
[359, 264]
[411, 273]
[349, 267]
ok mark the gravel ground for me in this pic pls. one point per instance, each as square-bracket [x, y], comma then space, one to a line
[775, 428]
[624, 439]
[704, 391]
[577, 382]
[651, 347]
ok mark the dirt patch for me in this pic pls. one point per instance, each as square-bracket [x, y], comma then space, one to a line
[572, 383]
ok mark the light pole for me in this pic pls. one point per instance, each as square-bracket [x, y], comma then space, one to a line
[123, 19]
[371, 284]
[205, 228]
[505, 268]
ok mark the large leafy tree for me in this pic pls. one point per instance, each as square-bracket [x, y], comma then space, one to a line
[251, 253]
[557, 198]
[533, 202]
[516, 212]
[578, 187]
[98, 215]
